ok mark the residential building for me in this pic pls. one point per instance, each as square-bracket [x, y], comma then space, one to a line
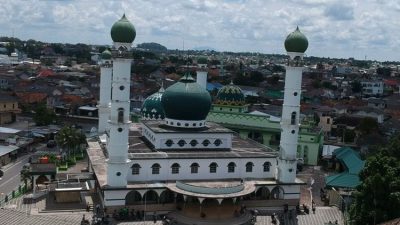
[8, 109]
[372, 87]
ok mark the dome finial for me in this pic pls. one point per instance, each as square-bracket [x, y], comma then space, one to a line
[162, 87]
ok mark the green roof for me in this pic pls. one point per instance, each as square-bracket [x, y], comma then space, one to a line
[123, 31]
[106, 54]
[230, 95]
[296, 42]
[349, 178]
[152, 107]
[186, 100]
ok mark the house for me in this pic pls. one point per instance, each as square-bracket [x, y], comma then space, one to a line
[372, 87]
[8, 109]
[349, 162]
[377, 103]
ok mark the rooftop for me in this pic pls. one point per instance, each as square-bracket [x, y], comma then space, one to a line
[140, 148]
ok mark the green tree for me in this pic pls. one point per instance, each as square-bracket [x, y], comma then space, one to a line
[25, 175]
[70, 139]
[44, 116]
[377, 198]
[356, 86]
[367, 125]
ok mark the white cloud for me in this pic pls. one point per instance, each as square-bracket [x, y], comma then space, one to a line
[335, 28]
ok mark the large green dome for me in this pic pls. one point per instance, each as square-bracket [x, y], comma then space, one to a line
[186, 101]
[106, 55]
[296, 42]
[123, 31]
[230, 95]
[152, 108]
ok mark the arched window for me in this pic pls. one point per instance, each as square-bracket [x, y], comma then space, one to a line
[213, 167]
[266, 166]
[194, 168]
[293, 119]
[231, 167]
[175, 168]
[155, 168]
[135, 169]
[249, 167]
[120, 115]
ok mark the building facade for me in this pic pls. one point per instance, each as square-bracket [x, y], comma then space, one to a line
[177, 163]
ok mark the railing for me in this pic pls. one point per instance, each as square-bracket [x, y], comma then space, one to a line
[209, 190]
[4, 198]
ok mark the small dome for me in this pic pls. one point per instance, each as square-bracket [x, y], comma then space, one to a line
[296, 42]
[186, 100]
[106, 55]
[152, 108]
[123, 31]
[230, 95]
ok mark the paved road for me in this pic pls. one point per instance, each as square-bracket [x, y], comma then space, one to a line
[11, 178]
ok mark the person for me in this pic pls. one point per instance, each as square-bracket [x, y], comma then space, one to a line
[97, 209]
[154, 217]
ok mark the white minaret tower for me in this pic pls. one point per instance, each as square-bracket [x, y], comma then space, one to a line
[201, 78]
[105, 90]
[122, 33]
[296, 44]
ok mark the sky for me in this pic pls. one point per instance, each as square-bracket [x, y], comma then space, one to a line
[335, 28]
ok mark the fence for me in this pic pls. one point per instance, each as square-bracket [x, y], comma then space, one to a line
[22, 189]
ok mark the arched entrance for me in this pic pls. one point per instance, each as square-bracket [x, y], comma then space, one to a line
[42, 179]
[150, 197]
[263, 193]
[167, 196]
[133, 198]
[277, 193]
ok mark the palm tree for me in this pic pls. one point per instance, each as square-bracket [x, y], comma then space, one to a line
[26, 175]
[70, 139]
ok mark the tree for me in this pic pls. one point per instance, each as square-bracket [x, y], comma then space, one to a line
[25, 175]
[367, 125]
[377, 198]
[44, 116]
[69, 139]
[356, 86]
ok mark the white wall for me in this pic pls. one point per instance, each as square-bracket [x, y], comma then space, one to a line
[203, 170]
[159, 139]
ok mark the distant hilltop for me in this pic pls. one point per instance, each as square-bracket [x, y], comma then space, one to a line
[151, 46]
[204, 48]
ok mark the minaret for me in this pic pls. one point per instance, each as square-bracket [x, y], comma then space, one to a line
[201, 77]
[105, 90]
[296, 44]
[122, 33]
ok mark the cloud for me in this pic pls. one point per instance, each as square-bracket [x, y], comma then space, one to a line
[332, 26]
[340, 11]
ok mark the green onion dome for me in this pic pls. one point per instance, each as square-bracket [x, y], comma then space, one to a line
[230, 95]
[106, 55]
[123, 31]
[152, 108]
[186, 103]
[296, 42]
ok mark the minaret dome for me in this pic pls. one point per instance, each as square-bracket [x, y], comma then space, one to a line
[296, 42]
[123, 31]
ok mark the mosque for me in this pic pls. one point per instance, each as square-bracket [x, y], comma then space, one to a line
[175, 162]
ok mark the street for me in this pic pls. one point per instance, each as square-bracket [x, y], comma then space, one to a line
[11, 178]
